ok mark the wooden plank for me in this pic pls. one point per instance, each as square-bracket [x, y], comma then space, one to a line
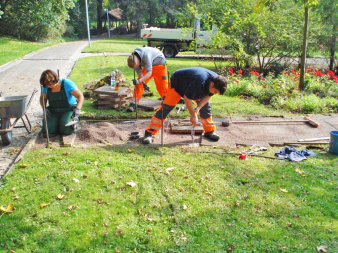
[149, 104]
[68, 140]
[108, 90]
[185, 129]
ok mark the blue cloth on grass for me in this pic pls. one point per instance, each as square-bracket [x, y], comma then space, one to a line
[293, 154]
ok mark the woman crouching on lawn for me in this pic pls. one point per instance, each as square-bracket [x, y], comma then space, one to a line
[64, 103]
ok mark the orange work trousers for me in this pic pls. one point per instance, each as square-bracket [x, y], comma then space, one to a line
[170, 101]
[159, 73]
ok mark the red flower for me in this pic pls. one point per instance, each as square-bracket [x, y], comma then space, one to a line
[231, 71]
[262, 79]
[256, 73]
[240, 72]
[286, 73]
[236, 81]
[293, 71]
[264, 86]
[330, 73]
[252, 72]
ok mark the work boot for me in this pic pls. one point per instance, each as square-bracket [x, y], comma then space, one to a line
[148, 138]
[211, 136]
[131, 108]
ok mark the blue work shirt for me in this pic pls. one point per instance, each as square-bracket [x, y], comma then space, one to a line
[69, 87]
[192, 82]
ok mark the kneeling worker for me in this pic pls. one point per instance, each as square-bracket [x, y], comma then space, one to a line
[64, 103]
[197, 84]
[148, 62]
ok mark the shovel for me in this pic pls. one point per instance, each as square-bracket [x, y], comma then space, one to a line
[74, 121]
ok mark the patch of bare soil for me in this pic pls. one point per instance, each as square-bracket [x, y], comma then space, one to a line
[99, 133]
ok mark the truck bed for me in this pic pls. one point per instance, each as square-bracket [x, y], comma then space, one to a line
[167, 34]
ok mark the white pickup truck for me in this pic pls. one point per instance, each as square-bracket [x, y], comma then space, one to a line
[172, 41]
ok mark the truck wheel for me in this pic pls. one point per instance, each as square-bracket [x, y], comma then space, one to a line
[169, 51]
[6, 137]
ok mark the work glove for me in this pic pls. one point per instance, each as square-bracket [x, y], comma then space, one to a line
[76, 113]
[135, 82]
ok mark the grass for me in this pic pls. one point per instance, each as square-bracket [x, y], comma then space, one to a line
[12, 49]
[181, 203]
[94, 68]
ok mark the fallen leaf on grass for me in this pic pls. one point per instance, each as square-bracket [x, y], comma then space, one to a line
[15, 197]
[230, 248]
[149, 231]
[237, 203]
[23, 165]
[184, 207]
[168, 170]
[65, 214]
[131, 184]
[299, 171]
[283, 190]
[207, 192]
[60, 196]
[8, 209]
[131, 150]
[322, 248]
[42, 205]
[72, 207]
[76, 180]
[13, 189]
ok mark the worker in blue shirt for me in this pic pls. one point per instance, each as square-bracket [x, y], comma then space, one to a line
[64, 103]
[193, 84]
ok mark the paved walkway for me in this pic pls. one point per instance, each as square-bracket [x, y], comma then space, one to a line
[21, 77]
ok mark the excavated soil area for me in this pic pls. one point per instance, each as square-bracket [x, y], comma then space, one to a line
[118, 133]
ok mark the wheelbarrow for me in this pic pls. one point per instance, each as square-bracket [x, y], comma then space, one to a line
[14, 107]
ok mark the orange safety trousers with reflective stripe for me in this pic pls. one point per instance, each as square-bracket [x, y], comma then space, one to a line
[160, 75]
[170, 101]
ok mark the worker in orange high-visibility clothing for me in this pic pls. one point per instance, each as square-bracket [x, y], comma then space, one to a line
[149, 63]
[193, 84]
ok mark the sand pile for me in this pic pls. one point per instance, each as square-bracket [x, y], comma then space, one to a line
[98, 133]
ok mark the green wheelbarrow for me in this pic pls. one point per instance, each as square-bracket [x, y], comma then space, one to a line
[14, 107]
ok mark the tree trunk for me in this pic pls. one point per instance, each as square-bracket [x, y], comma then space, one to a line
[304, 48]
[332, 48]
[139, 26]
[99, 14]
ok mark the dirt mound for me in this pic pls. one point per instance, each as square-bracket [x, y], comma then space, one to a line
[99, 133]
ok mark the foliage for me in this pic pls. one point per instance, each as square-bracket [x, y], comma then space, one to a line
[79, 200]
[282, 92]
[35, 20]
[76, 25]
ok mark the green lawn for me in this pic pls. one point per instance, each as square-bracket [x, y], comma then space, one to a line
[12, 49]
[196, 202]
[94, 68]
[115, 44]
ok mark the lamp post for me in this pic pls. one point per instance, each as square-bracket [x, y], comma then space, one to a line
[108, 23]
[88, 28]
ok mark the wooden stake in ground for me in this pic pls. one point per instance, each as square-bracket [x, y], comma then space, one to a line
[45, 117]
[135, 86]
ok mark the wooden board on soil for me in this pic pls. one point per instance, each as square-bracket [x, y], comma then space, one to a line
[108, 90]
[68, 140]
[149, 104]
[184, 127]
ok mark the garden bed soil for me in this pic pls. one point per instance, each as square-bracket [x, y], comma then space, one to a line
[118, 133]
